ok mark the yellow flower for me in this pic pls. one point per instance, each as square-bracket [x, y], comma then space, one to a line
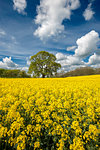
[36, 145]
[64, 108]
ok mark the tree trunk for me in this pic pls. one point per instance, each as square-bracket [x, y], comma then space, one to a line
[43, 76]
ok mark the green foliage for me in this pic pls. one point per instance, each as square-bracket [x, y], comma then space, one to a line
[2, 72]
[80, 72]
[43, 64]
[5, 73]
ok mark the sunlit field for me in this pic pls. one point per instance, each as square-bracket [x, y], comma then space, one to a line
[50, 114]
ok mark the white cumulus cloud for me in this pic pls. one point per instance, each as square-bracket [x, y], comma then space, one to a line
[20, 6]
[51, 14]
[94, 59]
[88, 13]
[70, 63]
[68, 60]
[70, 48]
[87, 44]
[7, 63]
[60, 56]
[73, 60]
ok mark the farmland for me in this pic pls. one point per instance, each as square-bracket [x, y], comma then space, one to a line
[50, 114]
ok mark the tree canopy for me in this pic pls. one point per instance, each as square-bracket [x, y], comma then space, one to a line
[5, 73]
[43, 64]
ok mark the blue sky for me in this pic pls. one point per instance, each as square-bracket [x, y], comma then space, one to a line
[60, 27]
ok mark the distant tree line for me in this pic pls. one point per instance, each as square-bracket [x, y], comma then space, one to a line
[5, 73]
[80, 72]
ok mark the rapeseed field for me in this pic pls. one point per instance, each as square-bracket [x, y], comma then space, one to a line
[50, 114]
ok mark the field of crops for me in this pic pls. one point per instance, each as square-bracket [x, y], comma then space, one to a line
[50, 114]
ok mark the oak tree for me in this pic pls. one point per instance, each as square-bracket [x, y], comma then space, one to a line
[43, 64]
